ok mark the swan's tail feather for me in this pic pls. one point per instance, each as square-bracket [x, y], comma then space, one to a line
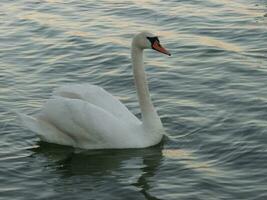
[46, 131]
[29, 122]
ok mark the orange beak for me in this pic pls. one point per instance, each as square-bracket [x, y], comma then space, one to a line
[156, 45]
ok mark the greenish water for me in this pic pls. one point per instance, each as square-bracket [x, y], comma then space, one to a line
[211, 95]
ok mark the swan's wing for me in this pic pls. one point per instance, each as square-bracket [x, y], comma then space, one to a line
[86, 125]
[97, 96]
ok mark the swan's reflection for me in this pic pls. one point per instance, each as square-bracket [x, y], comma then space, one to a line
[122, 168]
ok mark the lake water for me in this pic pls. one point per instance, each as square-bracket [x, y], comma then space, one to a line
[211, 95]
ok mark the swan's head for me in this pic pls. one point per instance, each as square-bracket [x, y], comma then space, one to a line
[146, 40]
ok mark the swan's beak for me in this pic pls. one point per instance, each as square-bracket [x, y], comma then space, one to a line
[157, 46]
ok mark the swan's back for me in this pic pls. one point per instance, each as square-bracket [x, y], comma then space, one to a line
[98, 97]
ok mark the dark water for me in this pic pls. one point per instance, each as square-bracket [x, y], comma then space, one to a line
[211, 95]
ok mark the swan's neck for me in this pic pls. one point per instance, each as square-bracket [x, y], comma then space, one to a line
[149, 115]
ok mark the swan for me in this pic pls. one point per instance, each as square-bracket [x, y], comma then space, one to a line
[88, 117]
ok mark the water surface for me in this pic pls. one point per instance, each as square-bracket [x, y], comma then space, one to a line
[211, 96]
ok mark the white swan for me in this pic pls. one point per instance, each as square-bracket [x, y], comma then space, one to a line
[86, 116]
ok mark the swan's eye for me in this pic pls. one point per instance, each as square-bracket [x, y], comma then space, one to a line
[153, 40]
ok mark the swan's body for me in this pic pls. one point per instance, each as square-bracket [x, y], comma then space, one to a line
[86, 116]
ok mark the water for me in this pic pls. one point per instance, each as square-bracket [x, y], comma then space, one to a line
[211, 96]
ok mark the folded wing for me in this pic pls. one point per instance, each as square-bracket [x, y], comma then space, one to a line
[99, 97]
[81, 124]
